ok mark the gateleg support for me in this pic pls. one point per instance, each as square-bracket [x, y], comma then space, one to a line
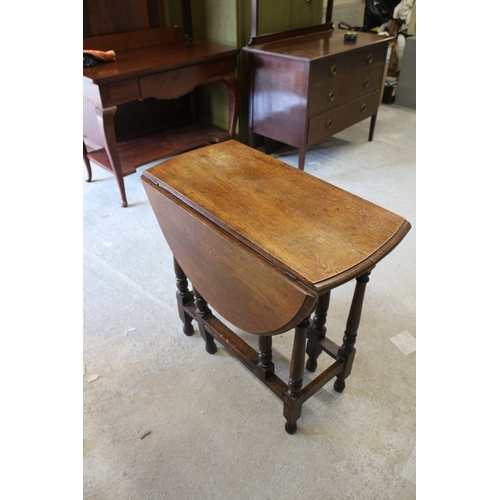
[294, 396]
[317, 331]
[265, 364]
[347, 350]
[184, 297]
[203, 312]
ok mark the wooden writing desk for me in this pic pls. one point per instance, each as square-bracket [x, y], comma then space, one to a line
[156, 63]
[249, 234]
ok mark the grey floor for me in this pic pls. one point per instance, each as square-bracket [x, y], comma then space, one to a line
[215, 431]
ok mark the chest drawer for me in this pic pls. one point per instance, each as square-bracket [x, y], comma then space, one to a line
[337, 66]
[336, 119]
[341, 91]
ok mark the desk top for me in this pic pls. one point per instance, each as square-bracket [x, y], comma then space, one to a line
[134, 62]
[315, 232]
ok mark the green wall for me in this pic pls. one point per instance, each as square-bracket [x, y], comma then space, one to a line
[281, 15]
[173, 13]
[228, 22]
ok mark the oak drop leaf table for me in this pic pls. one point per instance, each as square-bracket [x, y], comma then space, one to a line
[264, 243]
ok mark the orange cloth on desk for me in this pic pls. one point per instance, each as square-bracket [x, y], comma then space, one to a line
[108, 55]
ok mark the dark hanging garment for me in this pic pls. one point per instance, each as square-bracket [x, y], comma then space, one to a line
[378, 12]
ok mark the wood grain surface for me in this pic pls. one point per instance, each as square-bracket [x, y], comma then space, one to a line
[319, 233]
[240, 284]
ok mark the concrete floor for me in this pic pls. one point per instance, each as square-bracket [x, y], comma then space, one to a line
[216, 432]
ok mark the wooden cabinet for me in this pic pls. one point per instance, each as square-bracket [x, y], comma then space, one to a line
[306, 85]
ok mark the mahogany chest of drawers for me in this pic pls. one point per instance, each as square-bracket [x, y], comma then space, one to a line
[306, 88]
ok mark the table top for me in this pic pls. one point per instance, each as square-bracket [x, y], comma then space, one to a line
[320, 234]
[141, 61]
[318, 45]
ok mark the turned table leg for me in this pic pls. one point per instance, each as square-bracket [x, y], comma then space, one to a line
[317, 331]
[294, 397]
[184, 296]
[266, 354]
[202, 312]
[347, 350]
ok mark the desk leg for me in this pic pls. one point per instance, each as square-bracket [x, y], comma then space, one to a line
[87, 163]
[317, 331]
[106, 123]
[294, 397]
[251, 137]
[184, 296]
[234, 91]
[194, 106]
[202, 312]
[347, 351]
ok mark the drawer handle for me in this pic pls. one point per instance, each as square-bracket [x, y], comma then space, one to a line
[329, 123]
[331, 95]
[366, 82]
[363, 107]
[369, 58]
[333, 69]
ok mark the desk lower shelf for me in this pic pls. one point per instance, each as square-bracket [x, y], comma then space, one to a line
[139, 151]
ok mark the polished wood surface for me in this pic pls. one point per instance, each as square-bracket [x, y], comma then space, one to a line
[251, 284]
[319, 45]
[306, 87]
[163, 56]
[261, 201]
[152, 64]
[263, 244]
